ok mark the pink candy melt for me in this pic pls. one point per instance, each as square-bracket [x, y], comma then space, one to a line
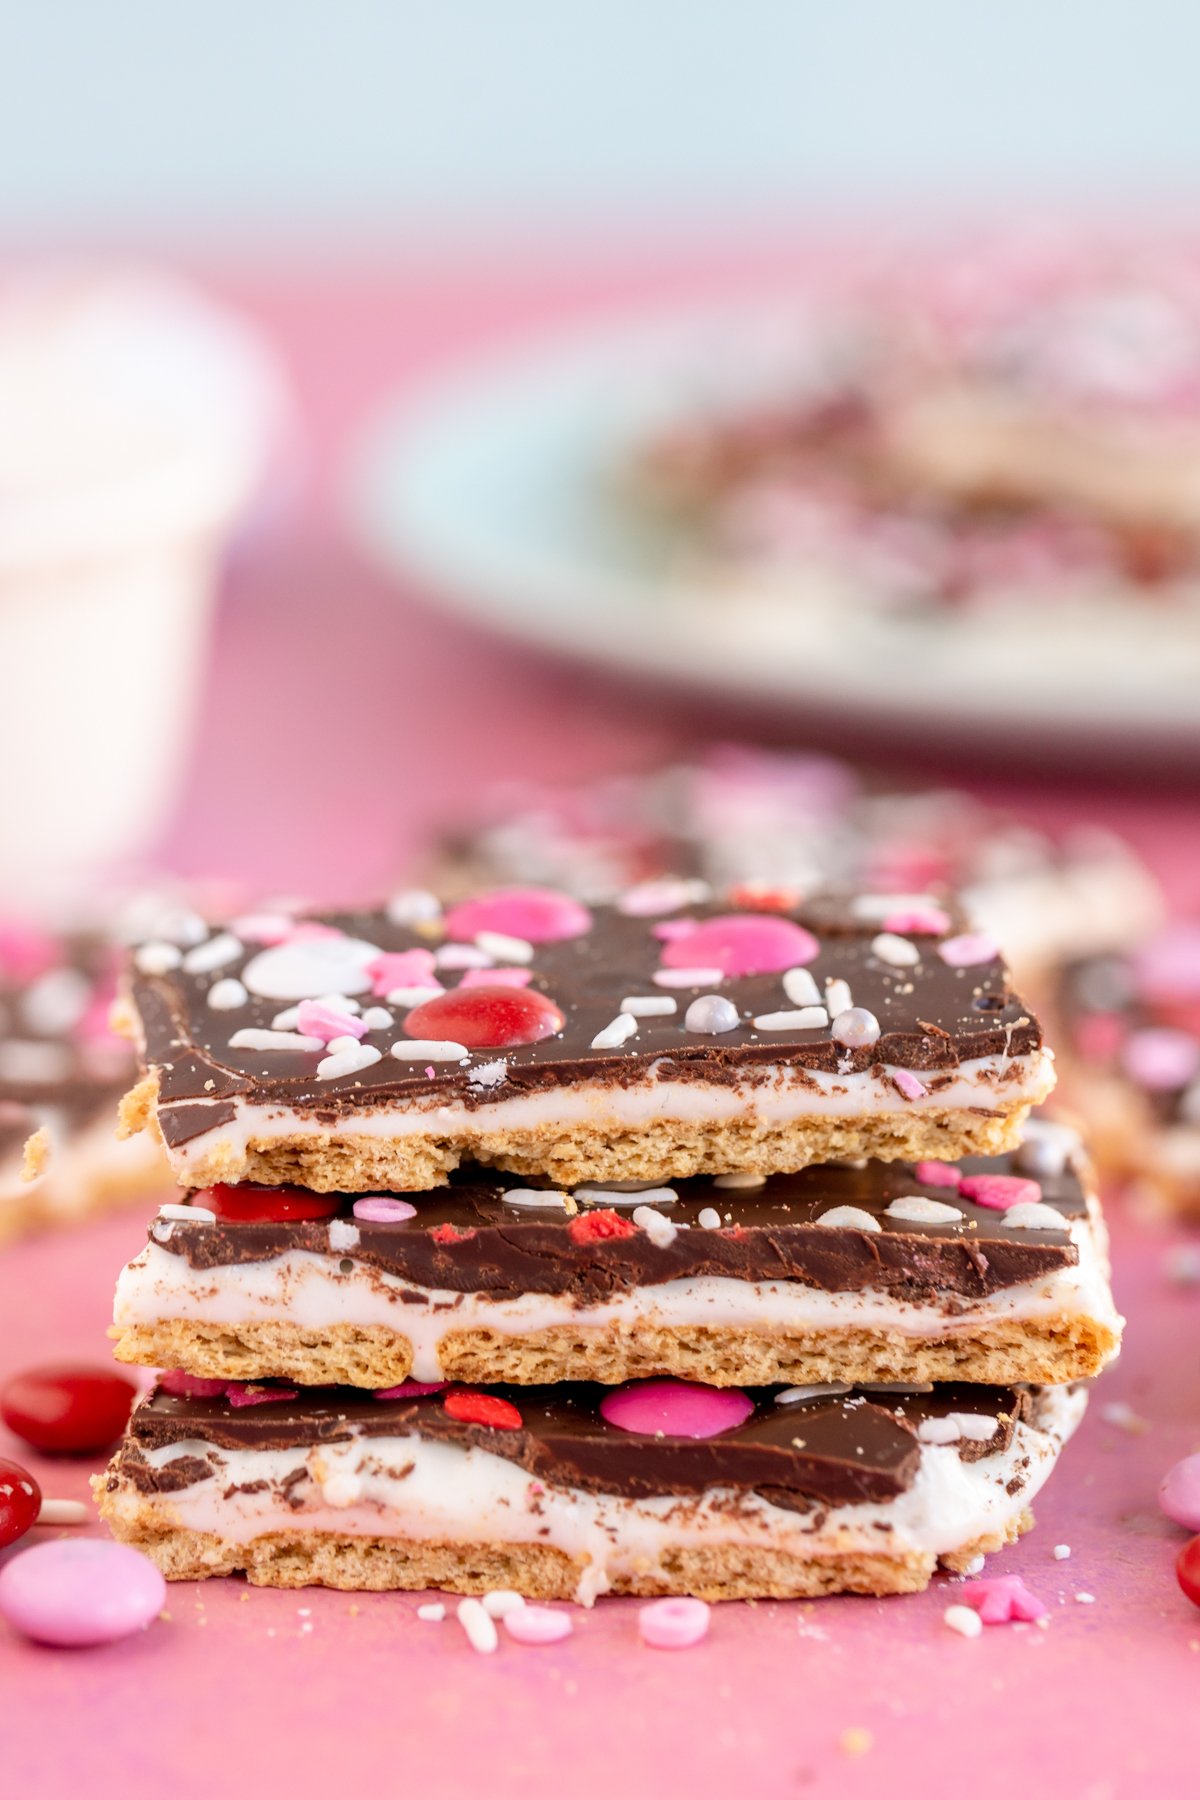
[326, 1023]
[928, 921]
[968, 949]
[77, 1592]
[401, 969]
[739, 944]
[410, 1390]
[539, 915]
[909, 1084]
[676, 1408]
[381, 1209]
[938, 1174]
[673, 1624]
[1000, 1191]
[190, 1387]
[496, 978]
[1179, 1495]
[1003, 1599]
[537, 1625]
[1159, 1057]
[26, 952]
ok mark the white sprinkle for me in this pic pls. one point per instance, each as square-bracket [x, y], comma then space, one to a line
[801, 988]
[1119, 1412]
[939, 1431]
[711, 1014]
[287, 1020]
[879, 906]
[200, 1215]
[433, 1612]
[378, 1018]
[342, 1488]
[462, 956]
[227, 995]
[481, 1631]
[219, 950]
[615, 1033]
[1086, 1599]
[977, 1428]
[815, 1390]
[343, 1235]
[489, 1074]
[348, 1062]
[976, 1565]
[62, 1512]
[963, 1619]
[900, 952]
[429, 1050]
[56, 1001]
[499, 1602]
[688, 978]
[853, 1216]
[1031, 1215]
[347, 1041]
[156, 959]
[649, 1006]
[856, 1028]
[1061, 1552]
[415, 906]
[923, 1211]
[838, 998]
[408, 997]
[739, 1180]
[626, 1193]
[181, 926]
[504, 949]
[709, 1219]
[657, 1227]
[804, 1018]
[536, 1197]
[250, 1038]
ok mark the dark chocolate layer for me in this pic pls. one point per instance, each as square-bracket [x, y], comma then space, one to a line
[57, 1058]
[932, 1017]
[766, 1234]
[830, 1451]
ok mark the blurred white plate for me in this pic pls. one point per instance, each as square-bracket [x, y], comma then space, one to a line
[496, 490]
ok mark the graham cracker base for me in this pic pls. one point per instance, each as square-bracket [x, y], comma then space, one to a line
[1066, 1347]
[299, 1558]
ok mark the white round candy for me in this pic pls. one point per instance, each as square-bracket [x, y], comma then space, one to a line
[856, 1027]
[711, 1014]
[310, 968]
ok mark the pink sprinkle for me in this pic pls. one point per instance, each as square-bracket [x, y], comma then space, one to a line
[381, 1209]
[676, 1408]
[263, 928]
[326, 1022]
[1003, 1599]
[496, 978]
[670, 929]
[26, 952]
[968, 949]
[908, 1084]
[401, 969]
[242, 1393]
[1160, 1057]
[928, 921]
[537, 1625]
[539, 915]
[410, 1390]
[673, 1624]
[938, 1174]
[306, 931]
[1000, 1191]
[742, 944]
[190, 1387]
[430, 1072]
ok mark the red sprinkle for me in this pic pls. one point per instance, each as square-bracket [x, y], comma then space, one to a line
[450, 1234]
[471, 1408]
[245, 1203]
[594, 1227]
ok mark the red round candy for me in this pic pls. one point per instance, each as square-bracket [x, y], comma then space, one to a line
[68, 1408]
[245, 1203]
[1187, 1570]
[486, 1018]
[471, 1408]
[20, 1502]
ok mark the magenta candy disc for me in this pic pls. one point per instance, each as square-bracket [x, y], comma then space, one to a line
[381, 1209]
[81, 1591]
[742, 944]
[1179, 1495]
[676, 1408]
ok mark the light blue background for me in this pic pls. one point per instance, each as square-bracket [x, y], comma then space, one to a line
[308, 118]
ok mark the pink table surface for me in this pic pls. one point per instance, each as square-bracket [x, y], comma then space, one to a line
[299, 1691]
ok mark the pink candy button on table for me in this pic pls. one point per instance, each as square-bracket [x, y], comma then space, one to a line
[676, 1408]
[537, 1625]
[673, 1624]
[1179, 1495]
[75, 1593]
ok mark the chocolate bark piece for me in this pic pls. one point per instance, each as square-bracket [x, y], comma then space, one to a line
[837, 1450]
[57, 1057]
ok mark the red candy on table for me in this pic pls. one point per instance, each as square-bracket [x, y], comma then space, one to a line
[246, 1203]
[68, 1409]
[1187, 1570]
[471, 1408]
[20, 1502]
[486, 1018]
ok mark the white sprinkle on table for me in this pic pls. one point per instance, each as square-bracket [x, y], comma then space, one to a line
[480, 1629]
[963, 1619]
[499, 1602]
[1061, 1552]
[433, 1612]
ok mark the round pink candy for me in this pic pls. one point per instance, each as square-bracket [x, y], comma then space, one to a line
[938, 1174]
[80, 1591]
[537, 1625]
[928, 921]
[673, 1624]
[1179, 1495]
[968, 949]
[539, 915]
[742, 944]
[1160, 1057]
[381, 1209]
[1000, 1191]
[1167, 969]
[676, 1408]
